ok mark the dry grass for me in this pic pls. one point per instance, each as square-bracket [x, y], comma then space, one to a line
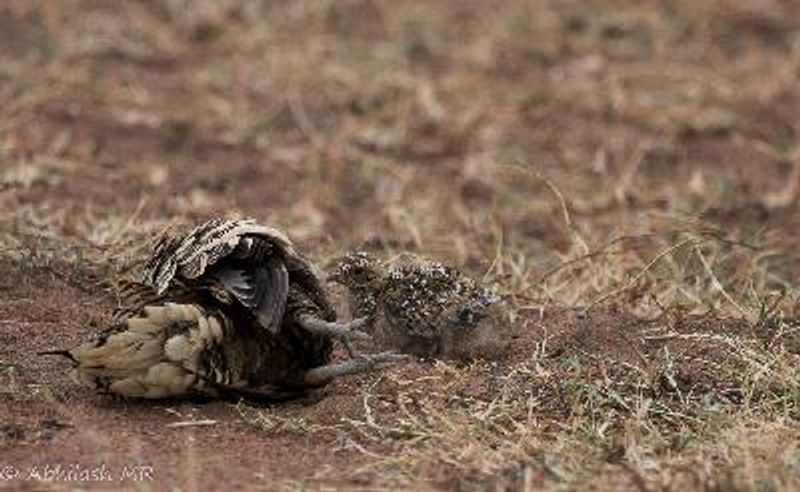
[624, 161]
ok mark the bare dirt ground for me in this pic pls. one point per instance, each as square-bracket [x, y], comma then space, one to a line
[625, 173]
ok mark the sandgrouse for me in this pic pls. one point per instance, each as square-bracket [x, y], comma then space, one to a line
[422, 307]
[229, 309]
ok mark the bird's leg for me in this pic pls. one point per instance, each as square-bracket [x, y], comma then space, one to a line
[359, 364]
[344, 332]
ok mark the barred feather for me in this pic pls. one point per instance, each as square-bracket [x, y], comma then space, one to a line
[254, 263]
[204, 246]
[195, 322]
[161, 354]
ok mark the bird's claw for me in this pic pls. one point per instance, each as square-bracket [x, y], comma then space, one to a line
[359, 364]
[344, 332]
[352, 331]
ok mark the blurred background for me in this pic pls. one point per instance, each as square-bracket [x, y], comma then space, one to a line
[507, 137]
[638, 158]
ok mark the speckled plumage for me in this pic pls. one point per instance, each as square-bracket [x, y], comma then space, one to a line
[420, 306]
[174, 350]
[236, 262]
[196, 324]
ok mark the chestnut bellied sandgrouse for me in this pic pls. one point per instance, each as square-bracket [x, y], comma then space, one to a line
[422, 307]
[229, 309]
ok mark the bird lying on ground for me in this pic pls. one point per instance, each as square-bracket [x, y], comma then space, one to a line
[422, 307]
[229, 309]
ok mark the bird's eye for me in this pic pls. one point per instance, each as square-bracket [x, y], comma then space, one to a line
[361, 274]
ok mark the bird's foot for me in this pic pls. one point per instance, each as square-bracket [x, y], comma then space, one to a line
[344, 332]
[359, 364]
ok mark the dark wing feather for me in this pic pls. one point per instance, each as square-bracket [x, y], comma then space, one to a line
[251, 262]
[308, 278]
[272, 291]
[239, 283]
[264, 291]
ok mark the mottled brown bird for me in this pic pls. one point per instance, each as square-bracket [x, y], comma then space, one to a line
[229, 309]
[239, 263]
[422, 307]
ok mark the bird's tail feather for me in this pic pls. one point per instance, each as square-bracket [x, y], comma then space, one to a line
[157, 354]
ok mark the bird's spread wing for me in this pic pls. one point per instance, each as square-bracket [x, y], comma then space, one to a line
[162, 265]
[242, 259]
[263, 289]
[207, 244]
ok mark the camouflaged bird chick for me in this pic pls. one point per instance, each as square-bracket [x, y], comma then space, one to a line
[422, 307]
